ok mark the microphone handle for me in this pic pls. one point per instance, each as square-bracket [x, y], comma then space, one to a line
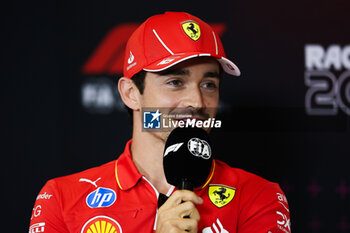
[186, 184]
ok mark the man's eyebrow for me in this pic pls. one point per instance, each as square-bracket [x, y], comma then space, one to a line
[176, 72]
[181, 72]
[212, 75]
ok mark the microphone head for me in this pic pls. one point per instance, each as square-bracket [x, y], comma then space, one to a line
[187, 157]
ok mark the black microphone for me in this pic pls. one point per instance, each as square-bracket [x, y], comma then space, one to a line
[187, 158]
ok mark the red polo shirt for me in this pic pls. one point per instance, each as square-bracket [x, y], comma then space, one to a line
[116, 198]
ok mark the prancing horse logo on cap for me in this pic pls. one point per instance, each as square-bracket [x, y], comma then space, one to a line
[191, 28]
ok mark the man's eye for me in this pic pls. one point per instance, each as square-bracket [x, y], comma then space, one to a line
[209, 85]
[175, 82]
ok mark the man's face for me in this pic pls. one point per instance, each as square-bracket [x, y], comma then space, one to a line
[189, 87]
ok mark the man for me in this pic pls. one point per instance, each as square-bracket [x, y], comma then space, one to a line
[172, 61]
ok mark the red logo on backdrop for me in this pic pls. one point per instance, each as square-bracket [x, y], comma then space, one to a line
[108, 58]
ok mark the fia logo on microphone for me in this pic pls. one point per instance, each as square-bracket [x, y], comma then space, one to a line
[199, 148]
[151, 119]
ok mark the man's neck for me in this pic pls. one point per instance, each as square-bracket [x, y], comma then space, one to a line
[147, 154]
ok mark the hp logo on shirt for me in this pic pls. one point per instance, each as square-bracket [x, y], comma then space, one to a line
[101, 197]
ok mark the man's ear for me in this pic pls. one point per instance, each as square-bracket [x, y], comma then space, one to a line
[129, 93]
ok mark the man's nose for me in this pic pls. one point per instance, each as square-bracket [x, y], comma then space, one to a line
[193, 98]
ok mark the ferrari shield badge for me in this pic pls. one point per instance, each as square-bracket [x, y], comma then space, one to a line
[191, 28]
[221, 195]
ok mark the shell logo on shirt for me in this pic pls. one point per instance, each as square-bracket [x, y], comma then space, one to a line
[220, 195]
[101, 224]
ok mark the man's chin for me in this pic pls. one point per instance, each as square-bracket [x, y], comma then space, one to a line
[161, 135]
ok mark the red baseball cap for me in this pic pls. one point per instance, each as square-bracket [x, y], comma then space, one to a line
[165, 40]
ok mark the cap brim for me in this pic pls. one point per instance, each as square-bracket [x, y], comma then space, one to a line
[227, 65]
